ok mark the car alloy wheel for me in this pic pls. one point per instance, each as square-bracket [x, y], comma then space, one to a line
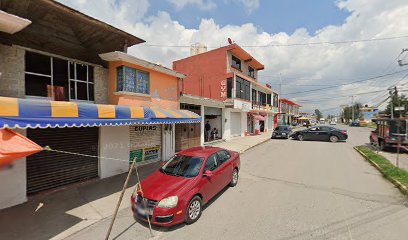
[300, 137]
[193, 210]
[334, 139]
[234, 179]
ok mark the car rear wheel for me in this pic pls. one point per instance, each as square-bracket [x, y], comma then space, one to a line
[300, 137]
[234, 179]
[193, 212]
[334, 139]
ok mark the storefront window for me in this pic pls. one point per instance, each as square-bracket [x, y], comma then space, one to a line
[242, 89]
[132, 80]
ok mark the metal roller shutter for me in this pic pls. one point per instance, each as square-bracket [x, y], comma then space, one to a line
[46, 170]
[235, 124]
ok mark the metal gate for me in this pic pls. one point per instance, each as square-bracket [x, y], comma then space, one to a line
[235, 124]
[46, 170]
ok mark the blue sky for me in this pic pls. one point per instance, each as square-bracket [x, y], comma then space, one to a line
[272, 16]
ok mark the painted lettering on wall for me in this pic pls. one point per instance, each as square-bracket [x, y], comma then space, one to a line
[224, 88]
[145, 128]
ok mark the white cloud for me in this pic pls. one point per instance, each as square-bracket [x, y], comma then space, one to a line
[314, 64]
[249, 5]
[202, 4]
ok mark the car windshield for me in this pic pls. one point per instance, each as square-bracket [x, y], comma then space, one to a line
[183, 166]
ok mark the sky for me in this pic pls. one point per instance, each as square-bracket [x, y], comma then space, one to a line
[278, 33]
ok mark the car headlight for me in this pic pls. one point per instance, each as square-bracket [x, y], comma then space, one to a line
[169, 202]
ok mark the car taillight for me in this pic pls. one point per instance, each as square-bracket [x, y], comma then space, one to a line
[344, 133]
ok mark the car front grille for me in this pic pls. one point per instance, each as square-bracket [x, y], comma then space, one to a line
[149, 203]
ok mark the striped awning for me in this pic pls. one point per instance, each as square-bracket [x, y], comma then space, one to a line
[32, 113]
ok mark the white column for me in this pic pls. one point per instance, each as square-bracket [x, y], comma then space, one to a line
[114, 142]
[13, 182]
[226, 123]
[244, 123]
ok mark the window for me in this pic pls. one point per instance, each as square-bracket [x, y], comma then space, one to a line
[229, 87]
[254, 96]
[275, 100]
[211, 163]
[57, 78]
[242, 89]
[251, 72]
[261, 98]
[236, 62]
[132, 80]
[269, 99]
[81, 82]
[223, 156]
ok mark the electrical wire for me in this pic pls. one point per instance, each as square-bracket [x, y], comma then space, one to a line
[290, 44]
[345, 84]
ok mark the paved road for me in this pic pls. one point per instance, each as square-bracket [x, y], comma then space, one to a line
[292, 190]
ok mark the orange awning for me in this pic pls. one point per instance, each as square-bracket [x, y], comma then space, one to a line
[14, 146]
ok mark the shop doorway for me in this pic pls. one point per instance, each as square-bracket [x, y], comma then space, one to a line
[213, 124]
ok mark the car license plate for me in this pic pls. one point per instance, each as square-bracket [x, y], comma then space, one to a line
[283, 134]
[141, 211]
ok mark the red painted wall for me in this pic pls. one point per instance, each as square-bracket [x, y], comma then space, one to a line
[204, 73]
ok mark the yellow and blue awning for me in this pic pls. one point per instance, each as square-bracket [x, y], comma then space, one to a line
[31, 113]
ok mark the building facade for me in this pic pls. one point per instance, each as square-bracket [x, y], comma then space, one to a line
[73, 88]
[289, 111]
[222, 84]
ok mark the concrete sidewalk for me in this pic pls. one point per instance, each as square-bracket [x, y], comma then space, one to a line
[61, 213]
[241, 144]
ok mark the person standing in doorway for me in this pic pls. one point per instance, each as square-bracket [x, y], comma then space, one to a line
[207, 131]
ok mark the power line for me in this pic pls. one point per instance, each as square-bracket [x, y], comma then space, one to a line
[345, 84]
[290, 44]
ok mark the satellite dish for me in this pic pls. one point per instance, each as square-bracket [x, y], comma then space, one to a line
[229, 40]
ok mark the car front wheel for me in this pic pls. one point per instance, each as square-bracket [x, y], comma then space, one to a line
[300, 137]
[334, 139]
[193, 212]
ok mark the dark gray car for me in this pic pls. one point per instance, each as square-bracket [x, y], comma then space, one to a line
[282, 131]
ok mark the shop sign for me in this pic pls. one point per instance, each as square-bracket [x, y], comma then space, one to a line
[224, 88]
[151, 153]
[145, 128]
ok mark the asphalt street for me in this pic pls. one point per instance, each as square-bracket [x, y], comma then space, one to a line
[291, 190]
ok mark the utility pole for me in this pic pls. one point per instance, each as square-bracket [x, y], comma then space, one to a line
[352, 108]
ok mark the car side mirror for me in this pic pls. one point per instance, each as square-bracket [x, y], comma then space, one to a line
[208, 173]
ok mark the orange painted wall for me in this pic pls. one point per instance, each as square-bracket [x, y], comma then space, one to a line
[164, 91]
[204, 73]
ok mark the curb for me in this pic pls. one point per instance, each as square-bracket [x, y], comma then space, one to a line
[259, 143]
[399, 185]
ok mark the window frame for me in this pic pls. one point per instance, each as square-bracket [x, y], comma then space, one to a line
[76, 80]
[136, 80]
[244, 86]
[51, 76]
[251, 72]
[236, 62]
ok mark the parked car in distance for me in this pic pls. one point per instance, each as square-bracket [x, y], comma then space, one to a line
[332, 123]
[354, 124]
[321, 133]
[177, 191]
[282, 131]
[388, 133]
[294, 124]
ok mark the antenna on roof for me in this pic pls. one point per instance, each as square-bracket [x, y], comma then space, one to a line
[229, 40]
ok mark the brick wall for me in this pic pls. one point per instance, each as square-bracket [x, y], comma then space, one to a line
[101, 85]
[12, 71]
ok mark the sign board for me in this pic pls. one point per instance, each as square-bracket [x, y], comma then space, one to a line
[136, 153]
[151, 153]
[399, 108]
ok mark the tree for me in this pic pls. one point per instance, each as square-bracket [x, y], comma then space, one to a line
[318, 114]
[348, 112]
[397, 101]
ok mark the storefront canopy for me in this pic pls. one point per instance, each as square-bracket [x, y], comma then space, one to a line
[30, 113]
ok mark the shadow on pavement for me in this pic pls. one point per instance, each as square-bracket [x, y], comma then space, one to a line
[47, 214]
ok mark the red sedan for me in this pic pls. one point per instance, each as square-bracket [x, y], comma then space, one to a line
[177, 191]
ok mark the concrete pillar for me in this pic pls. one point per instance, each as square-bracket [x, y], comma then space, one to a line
[202, 125]
[12, 68]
